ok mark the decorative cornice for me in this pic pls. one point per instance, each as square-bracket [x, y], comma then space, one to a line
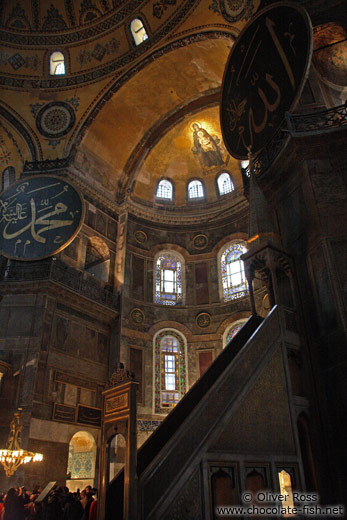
[182, 216]
[73, 35]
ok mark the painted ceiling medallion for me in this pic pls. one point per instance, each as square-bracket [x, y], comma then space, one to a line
[55, 119]
[203, 320]
[200, 241]
[137, 316]
[235, 10]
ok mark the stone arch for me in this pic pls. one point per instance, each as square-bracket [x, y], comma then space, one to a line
[81, 462]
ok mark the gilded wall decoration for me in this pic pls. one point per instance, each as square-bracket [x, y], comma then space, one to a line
[13, 141]
[233, 10]
[64, 413]
[116, 403]
[55, 119]
[88, 415]
[140, 236]
[88, 12]
[200, 241]
[17, 61]
[203, 320]
[74, 37]
[17, 19]
[99, 52]
[160, 7]
[5, 153]
[53, 21]
[137, 316]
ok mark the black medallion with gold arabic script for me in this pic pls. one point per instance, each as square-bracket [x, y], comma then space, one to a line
[39, 216]
[264, 76]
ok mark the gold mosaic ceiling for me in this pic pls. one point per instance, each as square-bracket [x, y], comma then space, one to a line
[126, 112]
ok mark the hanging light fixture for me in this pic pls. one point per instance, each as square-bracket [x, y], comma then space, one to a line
[13, 457]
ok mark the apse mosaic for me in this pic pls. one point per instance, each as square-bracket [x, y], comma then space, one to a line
[206, 147]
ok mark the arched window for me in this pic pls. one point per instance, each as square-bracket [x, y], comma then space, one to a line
[8, 177]
[195, 190]
[232, 273]
[232, 330]
[138, 31]
[225, 184]
[57, 63]
[170, 383]
[168, 281]
[164, 190]
[245, 167]
[81, 462]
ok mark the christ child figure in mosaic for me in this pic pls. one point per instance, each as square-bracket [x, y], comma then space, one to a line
[206, 146]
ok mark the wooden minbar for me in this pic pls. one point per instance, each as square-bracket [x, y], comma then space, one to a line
[119, 417]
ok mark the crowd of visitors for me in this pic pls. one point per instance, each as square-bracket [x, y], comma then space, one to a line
[59, 504]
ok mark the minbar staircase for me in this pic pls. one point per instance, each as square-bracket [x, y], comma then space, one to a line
[221, 414]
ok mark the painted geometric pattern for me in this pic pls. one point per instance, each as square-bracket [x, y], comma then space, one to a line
[233, 275]
[159, 373]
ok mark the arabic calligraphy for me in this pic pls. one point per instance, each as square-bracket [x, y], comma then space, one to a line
[264, 76]
[31, 213]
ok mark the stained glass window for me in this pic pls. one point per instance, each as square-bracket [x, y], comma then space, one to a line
[225, 184]
[164, 190]
[168, 284]
[195, 190]
[138, 31]
[235, 327]
[234, 282]
[170, 370]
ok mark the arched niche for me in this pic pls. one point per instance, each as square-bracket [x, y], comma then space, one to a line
[97, 262]
[116, 455]
[81, 462]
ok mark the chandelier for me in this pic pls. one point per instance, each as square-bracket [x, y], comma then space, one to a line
[14, 456]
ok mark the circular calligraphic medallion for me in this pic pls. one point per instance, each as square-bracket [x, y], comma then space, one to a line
[140, 236]
[264, 76]
[39, 216]
[203, 320]
[137, 316]
[200, 241]
[55, 119]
